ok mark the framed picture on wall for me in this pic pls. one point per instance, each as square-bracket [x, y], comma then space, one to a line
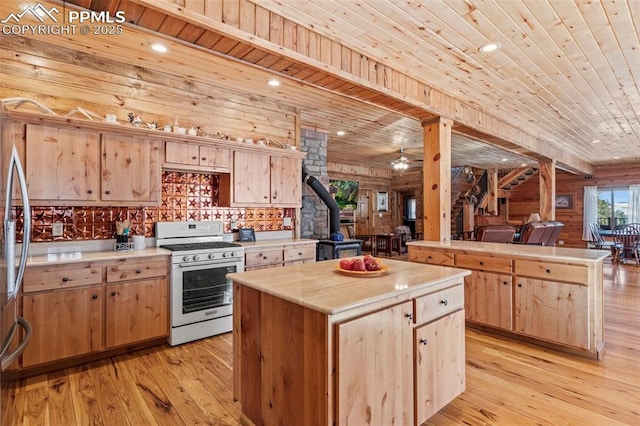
[564, 202]
[383, 201]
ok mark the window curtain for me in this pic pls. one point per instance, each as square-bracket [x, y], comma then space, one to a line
[590, 213]
[634, 203]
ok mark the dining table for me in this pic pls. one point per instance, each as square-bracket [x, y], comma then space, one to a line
[388, 243]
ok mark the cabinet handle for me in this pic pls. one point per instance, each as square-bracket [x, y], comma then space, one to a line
[429, 257]
[481, 263]
[299, 253]
[204, 158]
[409, 316]
[445, 302]
[94, 297]
[548, 271]
[107, 192]
[194, 158]
[265, 197]
[65, 279]
[265, 257]
[90, 191]
[424, 342]
[519, 284]
[113, 293]
[138, 271]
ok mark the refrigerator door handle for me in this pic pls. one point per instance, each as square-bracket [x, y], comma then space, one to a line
[15, 163]
[7, 360]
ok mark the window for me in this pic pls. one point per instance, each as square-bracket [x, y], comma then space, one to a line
[411, 208]
[613, 207]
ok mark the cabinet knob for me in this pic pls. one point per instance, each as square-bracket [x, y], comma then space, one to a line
[107, 192]
[113, 293]
[409, 316]
[265, 257]
[65, 279]
[138, 271]
[519, 284]
[429, 257]
[299, 253]
[504, 283]
[548, 271]
[265, 197]
[90, 191]
[481, 263]
[445, 302]
[424, 342]
[204, 158]
[194, 158]
[94, 297]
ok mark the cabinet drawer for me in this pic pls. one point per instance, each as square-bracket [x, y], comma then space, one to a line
[483, 263]
[263, 257]
[61, 276]
[136, 270]
[435, 305]
[292, 254]
[552, 271]
[432, 257]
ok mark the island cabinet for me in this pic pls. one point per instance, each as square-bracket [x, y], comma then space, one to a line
[260, 179]
[314, 346]
[197, 156]
[83, 308]
[551, 296]
[85, 167]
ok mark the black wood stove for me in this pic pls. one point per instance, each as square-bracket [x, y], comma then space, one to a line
[330, 249]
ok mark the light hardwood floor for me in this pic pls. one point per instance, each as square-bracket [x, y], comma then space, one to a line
[508, 383]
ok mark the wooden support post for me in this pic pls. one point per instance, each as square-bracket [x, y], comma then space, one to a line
[468, 217]
[436, 215]
[492, 193]
[547, 190]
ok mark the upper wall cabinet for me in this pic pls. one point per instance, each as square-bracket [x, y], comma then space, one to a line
[260, 179]
[83, 167]
[184, 155]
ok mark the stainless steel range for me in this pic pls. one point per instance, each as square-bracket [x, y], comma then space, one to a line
[201, 295]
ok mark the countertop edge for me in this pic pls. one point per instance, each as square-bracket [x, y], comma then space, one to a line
[48, 259]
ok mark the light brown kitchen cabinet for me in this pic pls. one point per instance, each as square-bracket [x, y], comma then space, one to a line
[260, 179]
[65, 324]
[373, 368]
[273, 254]
[488, 299]
[79, 167]
[195, 156]
[439, 364]
[84, 308]
[130, 170]
[62, 164]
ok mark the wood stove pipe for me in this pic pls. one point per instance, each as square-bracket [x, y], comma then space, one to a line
[334, 209]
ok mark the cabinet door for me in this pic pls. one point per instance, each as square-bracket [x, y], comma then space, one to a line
[136, 311]
[65, 324]
[439, 364]
[487, 299]
[181, 153]
[130, 169]
[218, 159]
[61, 164]
[251, 182]
[374, 367]
[553, 311]
[286, 181]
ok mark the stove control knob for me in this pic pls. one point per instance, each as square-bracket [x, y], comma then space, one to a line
[225, 254]
[196, 257]
[186, 258]
[212, 256]
[233, 254]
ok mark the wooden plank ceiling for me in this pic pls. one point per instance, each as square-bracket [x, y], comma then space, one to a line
[567, 73]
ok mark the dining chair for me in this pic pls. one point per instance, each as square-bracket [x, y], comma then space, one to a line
[600, 243]
[628, 241]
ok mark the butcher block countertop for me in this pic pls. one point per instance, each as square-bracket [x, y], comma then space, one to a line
[319, 287]
[532, 252]
[45, 259]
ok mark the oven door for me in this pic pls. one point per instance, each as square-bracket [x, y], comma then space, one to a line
[201, 292]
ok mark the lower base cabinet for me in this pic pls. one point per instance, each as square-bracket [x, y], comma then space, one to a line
[488, 299]
[125, 303]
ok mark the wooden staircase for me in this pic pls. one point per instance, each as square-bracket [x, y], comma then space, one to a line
[509, 179]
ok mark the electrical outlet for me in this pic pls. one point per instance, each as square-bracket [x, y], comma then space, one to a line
[561, 242]
[57, 230]
[286, 221]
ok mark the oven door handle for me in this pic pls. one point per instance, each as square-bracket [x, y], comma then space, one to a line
[221, 264]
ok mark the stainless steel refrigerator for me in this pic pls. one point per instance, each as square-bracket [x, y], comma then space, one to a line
[15, 331]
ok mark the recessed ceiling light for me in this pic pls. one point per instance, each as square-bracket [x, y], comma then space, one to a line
[159, 47]
[595, 141]
[616, 158]
[273, 82]
[523, 165]
[341, 133]
[504, 159]
[491, 47]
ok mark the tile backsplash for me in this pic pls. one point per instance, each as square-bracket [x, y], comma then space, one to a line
[185, 197]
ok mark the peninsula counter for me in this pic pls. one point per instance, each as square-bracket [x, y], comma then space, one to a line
[551, 296]
[315, 346]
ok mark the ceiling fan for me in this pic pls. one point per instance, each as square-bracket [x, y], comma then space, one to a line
[401, 163]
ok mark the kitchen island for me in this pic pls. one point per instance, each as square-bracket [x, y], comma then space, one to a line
[317, 346]
[550, 296]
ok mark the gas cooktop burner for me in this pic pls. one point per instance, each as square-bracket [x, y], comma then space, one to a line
[200, 246]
